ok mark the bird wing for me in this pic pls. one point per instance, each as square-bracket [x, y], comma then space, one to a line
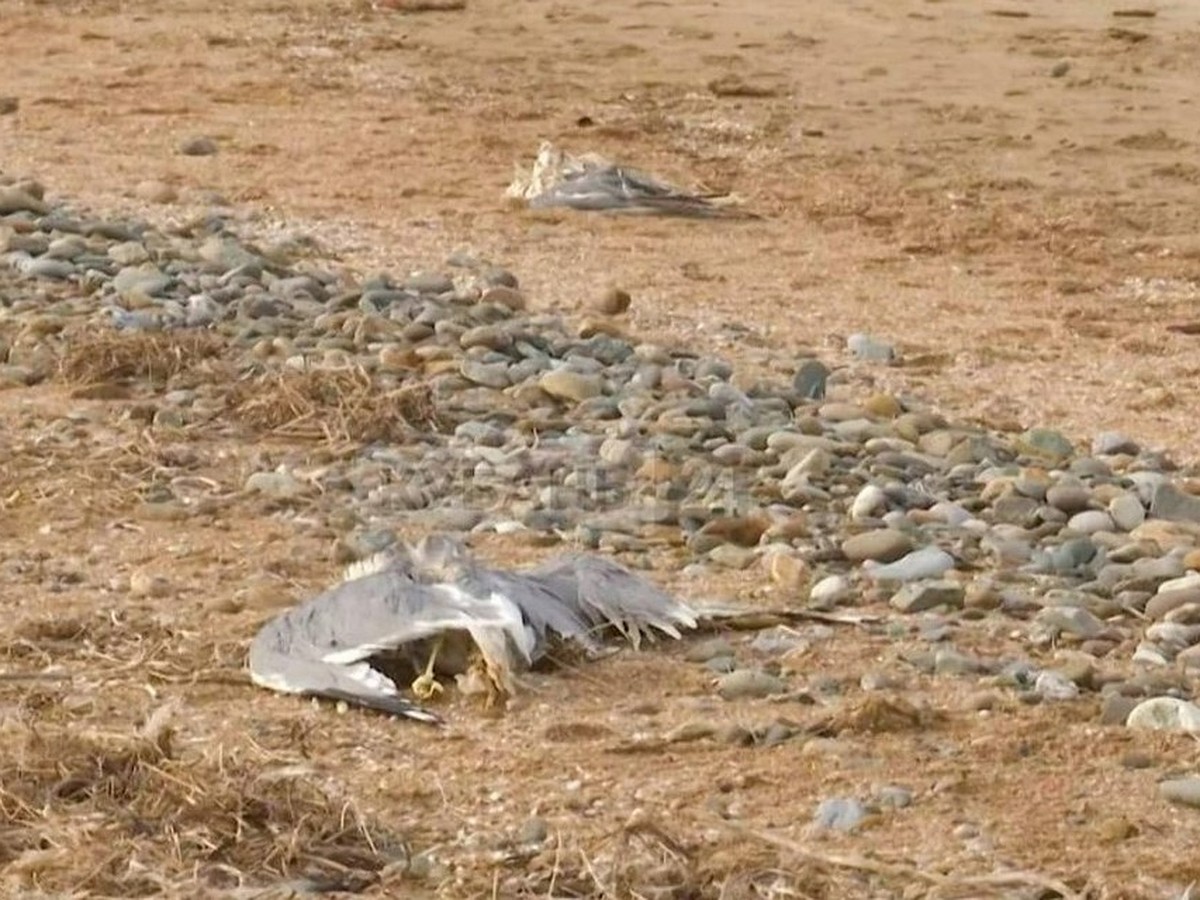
[278, 663]
[603, 592]
[622, 189]
[321, 647]
[542, 610]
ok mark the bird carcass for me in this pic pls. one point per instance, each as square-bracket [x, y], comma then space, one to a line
[420, 613]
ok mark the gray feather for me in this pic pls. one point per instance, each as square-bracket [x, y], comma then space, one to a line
[622, 189]
[606, 593]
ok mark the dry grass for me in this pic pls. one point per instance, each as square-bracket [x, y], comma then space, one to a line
[60, 466]
[335, 405]
[106, 356]
[126, 815]
[904, 877]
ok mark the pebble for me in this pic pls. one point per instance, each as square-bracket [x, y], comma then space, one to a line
[1069, 498]
[870, 501]
[1127, 512]
[928, 562]
[613, 302]
[866, 348]
[840, 814]
[277, 485]
[15, 200]
[709, 649]
[1112, 443]
[563, 384]
[1181, 791]
[744, 684]
[1045, 443]
[1165, 714]
[155, 192]
[916, 597]
[1174, 505]
[1090, 522]
[810, 380]
[882, 545]
[45, 267]
[1055, 686]
[830, 591]
[198, 146]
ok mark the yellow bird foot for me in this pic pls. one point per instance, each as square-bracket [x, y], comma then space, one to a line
[426, 687]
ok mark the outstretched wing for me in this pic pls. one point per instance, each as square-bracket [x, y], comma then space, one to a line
[622, 189]
[542, 609]
[322, 647]
[603, 592]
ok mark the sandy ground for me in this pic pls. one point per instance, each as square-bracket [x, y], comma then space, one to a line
[1006, 191]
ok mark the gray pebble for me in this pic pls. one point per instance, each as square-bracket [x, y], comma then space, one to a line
[198, 146]
[809, 381]
[915, 597]
[1109, 443]
[710, 649]
[1127, 512]
[1174, 505]
[840, 814]
[928, 562]
[43, 267]
[1070, 498]
[1090, 522]
[1182, 791]
[1055, 686]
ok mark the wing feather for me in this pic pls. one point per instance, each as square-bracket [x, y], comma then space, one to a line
[603, 592]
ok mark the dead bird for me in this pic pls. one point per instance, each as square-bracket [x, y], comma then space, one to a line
[591, 183]
[430, 611]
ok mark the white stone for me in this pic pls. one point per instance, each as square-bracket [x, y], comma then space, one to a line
[1165, 714]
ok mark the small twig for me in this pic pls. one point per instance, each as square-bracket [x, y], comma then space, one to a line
[587, 864]
[555, 868]
[35, 676]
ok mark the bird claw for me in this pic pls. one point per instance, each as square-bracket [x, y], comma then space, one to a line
[426, 687]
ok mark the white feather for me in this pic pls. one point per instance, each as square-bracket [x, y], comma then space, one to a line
[371, 565]
[371, 679]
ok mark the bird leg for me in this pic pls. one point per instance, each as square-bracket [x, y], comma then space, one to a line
[426, 686]
[482, 677]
